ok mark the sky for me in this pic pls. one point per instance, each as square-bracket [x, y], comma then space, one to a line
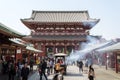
[108, 11]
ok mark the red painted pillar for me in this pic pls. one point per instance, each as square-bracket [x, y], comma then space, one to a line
[106, 61]
[65, 49]
[43, 49]
[116, 63]
[54, 49]
[16, 54]
[76, 47]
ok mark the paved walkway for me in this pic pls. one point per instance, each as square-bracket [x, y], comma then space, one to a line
[73, 74]
[103, 74]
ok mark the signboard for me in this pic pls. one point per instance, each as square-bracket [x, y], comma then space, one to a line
[18, 51]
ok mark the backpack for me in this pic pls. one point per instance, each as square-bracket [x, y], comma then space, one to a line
[57, 66]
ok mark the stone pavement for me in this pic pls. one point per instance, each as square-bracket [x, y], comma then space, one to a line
[103, 74]
[73, 74]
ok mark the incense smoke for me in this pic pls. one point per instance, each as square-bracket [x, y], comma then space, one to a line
[85, 49]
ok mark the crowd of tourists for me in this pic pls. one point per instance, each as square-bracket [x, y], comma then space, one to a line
[48, 66]
[14, 70]
[20, 69]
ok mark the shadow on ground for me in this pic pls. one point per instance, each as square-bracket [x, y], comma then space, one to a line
[73, 75]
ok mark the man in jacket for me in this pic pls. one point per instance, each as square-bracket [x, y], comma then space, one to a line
[25, 72]
[42, 68]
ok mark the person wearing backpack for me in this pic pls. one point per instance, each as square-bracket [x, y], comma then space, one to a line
[57, 66]
[91, 73]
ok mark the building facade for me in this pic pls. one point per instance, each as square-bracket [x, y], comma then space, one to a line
[58, 31]
[8, 49]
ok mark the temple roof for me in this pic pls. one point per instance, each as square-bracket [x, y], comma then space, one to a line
[10, 32]
[18, 41]
[25, 44]
[61, 16]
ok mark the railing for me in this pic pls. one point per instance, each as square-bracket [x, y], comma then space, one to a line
[62, 33]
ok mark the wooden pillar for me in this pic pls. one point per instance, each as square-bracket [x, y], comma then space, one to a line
[76, 47]
[54, 49]
[0, 52]
[16, 54]
[65, 49]
[46, 49]
[43, 49]
[106, 61]
[116, 63]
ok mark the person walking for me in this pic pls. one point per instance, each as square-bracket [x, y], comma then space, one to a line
[51, 66]
[25, 72]
[59, 75]
[48, 67]
[81, 66]
[31, 64]
[91, 73]
[18, 70]
[11, 70]
[42, 68]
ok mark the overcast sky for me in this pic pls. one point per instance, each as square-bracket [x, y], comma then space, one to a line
[108, 11]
